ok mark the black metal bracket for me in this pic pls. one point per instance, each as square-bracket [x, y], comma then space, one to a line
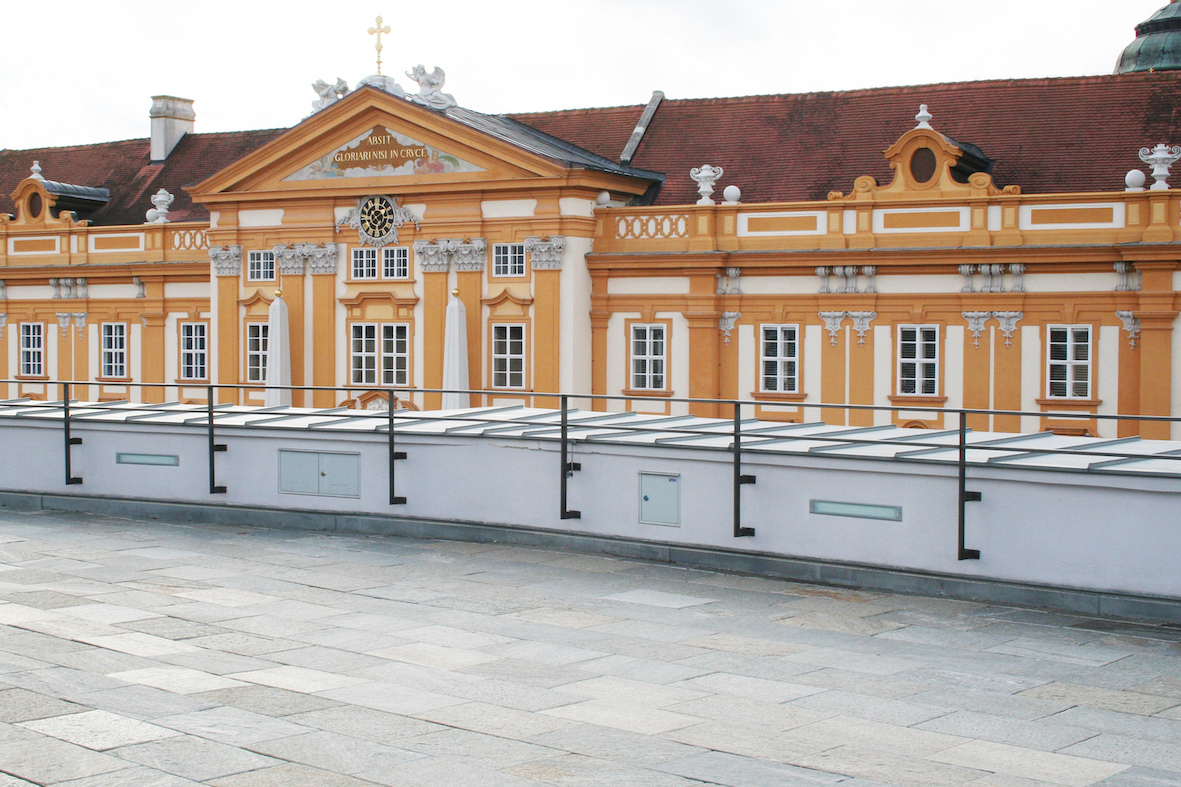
[965, 496]
[568, 468]
[740, 480]
[71, 479]
[214, 446]
[395, 455]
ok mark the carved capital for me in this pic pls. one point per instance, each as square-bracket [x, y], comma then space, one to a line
[432, 256]
[3, 321]
[80, 323]
[471, 255]
[545, 255]
[1008, 321]
[861, 321]
[63, 322]
[289, 259]
[320, 259]
[976, 322]
[226, 260]
[832, 324]
[1131, 325]
[726, 323]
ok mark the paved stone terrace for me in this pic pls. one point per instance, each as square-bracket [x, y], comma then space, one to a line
[145, 654]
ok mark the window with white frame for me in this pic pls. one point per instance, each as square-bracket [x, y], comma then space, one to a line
[364, 263]
[395, 262]
[194, 351]
[32, 349]
[508, 356]
[260, 266]
[380, 354]
[257, 335]
[113, 341]
[508, 259]
[780, 359]
[1068, 375]
[918, 360]
[648, 357]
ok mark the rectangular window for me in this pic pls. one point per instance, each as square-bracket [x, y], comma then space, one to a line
[508, 259]
[918, 360]
[193, 349]
[364, 263]
[508, 356]
[363, 352]
[1069, 372]
[257, 334]
[780, 358]
[395, 262]
[32, 349]
[648, 357]
[260, 266]
[114, 349]
[395, 354]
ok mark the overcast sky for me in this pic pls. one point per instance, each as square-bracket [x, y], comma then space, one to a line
[80, 71]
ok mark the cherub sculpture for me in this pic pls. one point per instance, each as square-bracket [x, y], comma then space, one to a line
[328, 94]
[430, 93]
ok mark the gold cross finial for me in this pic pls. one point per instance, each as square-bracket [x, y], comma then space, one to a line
[377, 31]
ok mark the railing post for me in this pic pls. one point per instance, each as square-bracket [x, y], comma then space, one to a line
[965, 496]
[214, 446]
[71, 479]
[568, 467]
[395, 455]
[739, 479]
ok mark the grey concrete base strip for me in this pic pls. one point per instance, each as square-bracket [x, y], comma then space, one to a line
[849, 575]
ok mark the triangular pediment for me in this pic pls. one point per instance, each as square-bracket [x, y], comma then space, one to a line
[371, 139]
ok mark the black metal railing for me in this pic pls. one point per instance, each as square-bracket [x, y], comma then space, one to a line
[734, 430]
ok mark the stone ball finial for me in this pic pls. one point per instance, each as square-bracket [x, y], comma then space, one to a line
[731, 194]
[602, 198]
[1135, 180]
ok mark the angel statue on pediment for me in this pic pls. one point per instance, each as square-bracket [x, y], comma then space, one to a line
[430, 88]
[328, 94]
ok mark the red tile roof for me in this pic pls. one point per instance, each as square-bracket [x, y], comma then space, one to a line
[1045, 135]
[126, 169]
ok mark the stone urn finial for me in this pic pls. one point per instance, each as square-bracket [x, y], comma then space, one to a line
[1160, 158]
[706, 176]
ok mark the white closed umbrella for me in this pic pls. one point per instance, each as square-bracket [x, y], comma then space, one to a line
[455, 354]
[278, 372]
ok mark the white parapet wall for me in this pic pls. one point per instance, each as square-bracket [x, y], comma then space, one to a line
[883, 498]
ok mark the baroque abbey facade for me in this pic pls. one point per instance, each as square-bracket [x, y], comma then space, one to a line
[997, 251]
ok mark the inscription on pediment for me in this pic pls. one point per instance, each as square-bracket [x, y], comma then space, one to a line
[383, 152]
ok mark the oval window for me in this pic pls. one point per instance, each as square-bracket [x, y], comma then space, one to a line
[922, 165]
[34, 205]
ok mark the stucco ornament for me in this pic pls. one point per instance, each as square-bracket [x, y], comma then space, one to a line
[832, 324]
[726, 323]
[3, 321]
[430, 88]
[468, 255]
[1008, 321]
[861, 321]
[1160, 158]
[227, 260]
[545, 255]
[320, 259]
[976, 322]
[377, 220]
[1131, 325]
[706, 176]
[328, 94]
[384, 83]
[162, 201]
[289, 260]
[432, 256]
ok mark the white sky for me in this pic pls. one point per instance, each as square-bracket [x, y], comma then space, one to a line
[80, 71]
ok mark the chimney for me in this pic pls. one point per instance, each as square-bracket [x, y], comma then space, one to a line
[172, 118]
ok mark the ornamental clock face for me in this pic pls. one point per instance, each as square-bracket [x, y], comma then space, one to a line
[377, 219]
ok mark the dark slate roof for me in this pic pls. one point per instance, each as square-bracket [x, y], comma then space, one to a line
[1046, 135]
[126, 170]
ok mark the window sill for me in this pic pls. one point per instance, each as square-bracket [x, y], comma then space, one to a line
[194, 381]
[772, 396]
[647, 393]
[32, 378]
[1070, 403]
[911, 400]
[112, 380]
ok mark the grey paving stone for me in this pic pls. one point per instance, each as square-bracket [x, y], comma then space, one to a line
[337, 753]
[728, 769]
[193, 758]
[593, 740]
[1128, 724]
[143, 702]
[1044, 735]
[266, 700]
[22, 705]
[231, 725]
[45, 760]
[1162, 755]
[289, 775]
[1143, 777]
[134, 776]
